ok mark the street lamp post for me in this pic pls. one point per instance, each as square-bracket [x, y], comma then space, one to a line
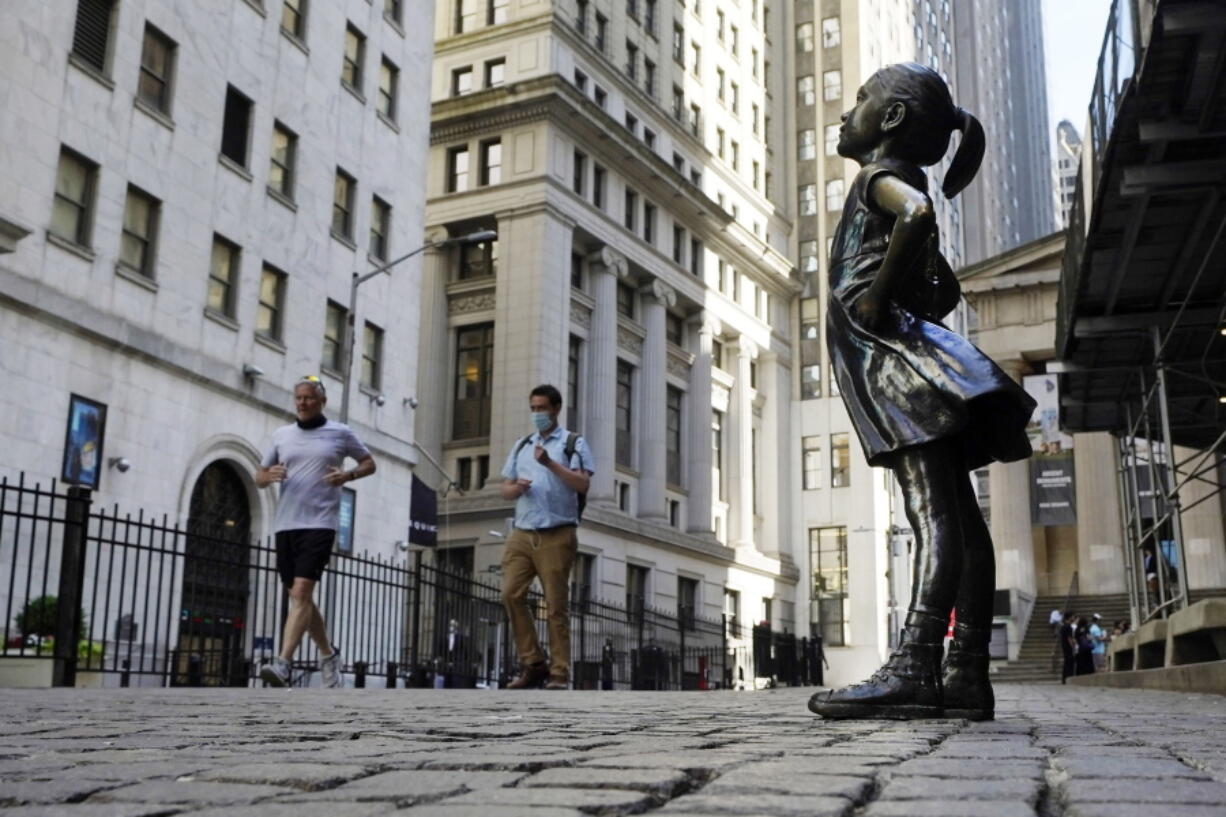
[359, 279]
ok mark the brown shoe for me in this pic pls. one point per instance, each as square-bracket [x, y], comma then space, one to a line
[557, 682]
[530, 676]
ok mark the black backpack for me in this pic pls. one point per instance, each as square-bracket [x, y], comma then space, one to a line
[572, 439]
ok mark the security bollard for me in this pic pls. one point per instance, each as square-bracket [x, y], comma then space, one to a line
[391, 674]
[359, 674]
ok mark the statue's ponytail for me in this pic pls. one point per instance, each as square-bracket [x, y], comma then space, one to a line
[968, 156]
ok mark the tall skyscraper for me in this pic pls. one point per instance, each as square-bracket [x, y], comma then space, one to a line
[1065, 169]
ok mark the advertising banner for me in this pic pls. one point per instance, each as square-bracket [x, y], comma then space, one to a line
[1053, 496]
[423, 514]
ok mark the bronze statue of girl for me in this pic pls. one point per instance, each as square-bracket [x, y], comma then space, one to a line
[925, 403]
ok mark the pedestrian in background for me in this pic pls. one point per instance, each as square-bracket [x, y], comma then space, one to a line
[305, 459]
[1098, 637]
[1068, 646]
[1055, 620]
[1084, 647]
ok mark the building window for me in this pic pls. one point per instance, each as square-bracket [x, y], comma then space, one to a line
[72, 210]
[649, 17]
[281, 162]
[157, 60]
[808, 199]
[649, 222]
[576, 270]
[574, 355]
[474, 381]
[293, 18]
[717, 351]
[831, 36]
[735, 46]
[632, 60]
[491, 162]
[380, 227]
[630, 209]
[696, 254]
[678, 244]
[804, 37]
[736, 97]
[732, 612]
[236, 126]
[695, 57]
[828, 563]
[808, 256]
[334, 336]
[393, 10]
[495, 72]
[268, 314]
[720, 141]
[636, 590]
[342, 204]
[679, 44]
[478, 260]
[600, 96]
[720, 21]
[810, 350]
[496, 13]
[602, 30]
[806, 90]
[832, 85]
[649, 78]
[717, 450]
[457, 169]
[91, 38]
[622, 490]
[625, 300]
[372, 357]
[465, 16]
[687, 601]
[389, 84]
[462, 81]
[807, 145]
[678, 102]
[581, 16]
[632, 123]
[840, 461]
[140, 220]
[672, 432]
[223, 276]
[632, 9]
[674, 329]
[832, 140]
[736, 155]
[583, 578]
[581, 82]
[355, 56]
[719, 83]
[598, 185]
[834, 195]
[625, 414]
[811, 458]
[580, 173]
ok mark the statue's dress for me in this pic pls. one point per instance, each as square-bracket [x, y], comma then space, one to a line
[913, 381]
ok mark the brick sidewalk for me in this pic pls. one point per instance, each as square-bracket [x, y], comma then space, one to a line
[1054, 751]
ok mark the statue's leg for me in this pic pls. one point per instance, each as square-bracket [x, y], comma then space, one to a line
[967, 686]
[909, 684]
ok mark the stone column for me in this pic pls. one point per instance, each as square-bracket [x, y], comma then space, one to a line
[774, 453]
[605, 267]
[657, 297]
[741, 465]
[1009, 486]
[699, 454]
[1100, 557]
[531, 319]
[1204, 545]
[434, 385]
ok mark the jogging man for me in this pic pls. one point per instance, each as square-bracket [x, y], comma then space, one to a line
[546, 473]
[305, 458]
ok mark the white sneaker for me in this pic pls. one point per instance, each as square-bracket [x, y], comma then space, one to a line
[276, 672]
[330, 670]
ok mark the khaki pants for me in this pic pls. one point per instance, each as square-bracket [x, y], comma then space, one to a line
[549, 554]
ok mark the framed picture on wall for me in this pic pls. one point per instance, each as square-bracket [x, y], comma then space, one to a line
[83, 442]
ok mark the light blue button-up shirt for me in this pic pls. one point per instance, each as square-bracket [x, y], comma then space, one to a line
[549, 502]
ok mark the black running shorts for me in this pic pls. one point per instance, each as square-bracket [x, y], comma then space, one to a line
[303, 554]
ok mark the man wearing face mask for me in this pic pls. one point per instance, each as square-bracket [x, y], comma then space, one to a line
[547, 474]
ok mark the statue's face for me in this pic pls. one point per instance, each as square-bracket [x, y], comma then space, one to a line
[864, 126]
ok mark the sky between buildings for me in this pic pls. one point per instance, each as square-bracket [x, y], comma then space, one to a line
[1072, 37]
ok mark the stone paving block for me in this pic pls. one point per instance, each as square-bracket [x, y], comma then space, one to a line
[745, 805]
[713, 761]
[20, 792]
[501, 762]
[307, 776]
[1141, 810]
[94, 810]
[608, 800]
[969, 768]
[926, 788]
[770, 779]
[188, 792]
[1144, 791]
[1087, 765]
[664, 783]
[994, 749]
[409, 787]
[299, 810]
[947, 808]
[445, 810]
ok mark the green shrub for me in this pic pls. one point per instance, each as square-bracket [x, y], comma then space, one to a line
[38, 617]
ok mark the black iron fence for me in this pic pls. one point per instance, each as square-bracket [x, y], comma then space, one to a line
[94, 596]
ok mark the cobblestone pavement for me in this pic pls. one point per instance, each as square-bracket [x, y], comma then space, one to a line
[1053, 751]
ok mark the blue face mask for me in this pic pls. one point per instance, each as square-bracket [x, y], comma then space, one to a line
[541, 420]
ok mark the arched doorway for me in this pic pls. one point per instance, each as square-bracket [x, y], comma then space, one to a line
[216, 576]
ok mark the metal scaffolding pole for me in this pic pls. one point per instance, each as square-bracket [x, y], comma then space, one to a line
[1176, 514]
[1130, 567]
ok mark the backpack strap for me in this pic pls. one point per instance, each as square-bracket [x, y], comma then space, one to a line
[521, 445]
[572, 440]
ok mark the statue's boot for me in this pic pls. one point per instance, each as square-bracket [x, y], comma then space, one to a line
[968, 690]
[907, 687]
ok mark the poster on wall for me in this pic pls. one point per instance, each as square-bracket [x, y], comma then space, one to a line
[344, 528]
[423, 514]
[1053, 493]
[83, 442]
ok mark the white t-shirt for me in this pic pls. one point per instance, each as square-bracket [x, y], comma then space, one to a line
[307, 502]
